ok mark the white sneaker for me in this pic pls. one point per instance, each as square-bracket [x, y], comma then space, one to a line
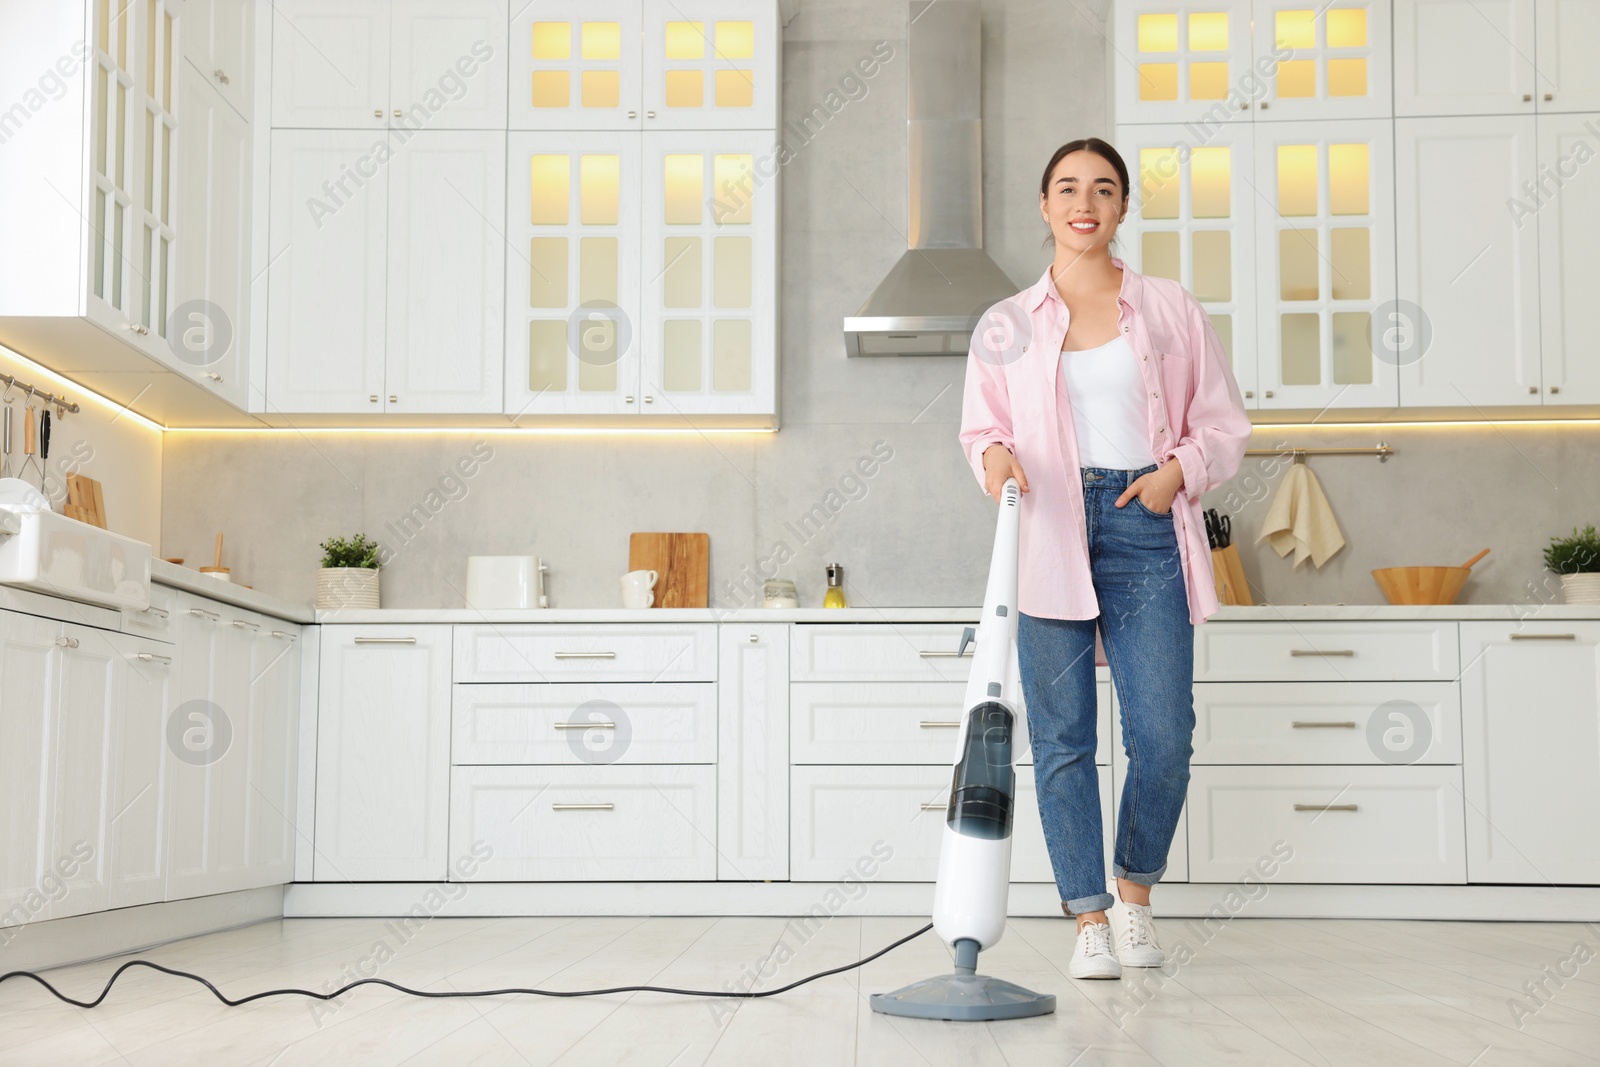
[1136, 935]
[1092, 957]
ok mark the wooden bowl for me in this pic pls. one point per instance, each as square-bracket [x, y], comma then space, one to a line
[1421, 585]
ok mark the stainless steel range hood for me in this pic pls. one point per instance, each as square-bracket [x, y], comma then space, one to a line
[929, 302]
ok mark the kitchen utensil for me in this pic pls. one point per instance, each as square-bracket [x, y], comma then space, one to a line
[1424, 585]
[1211, 526]
[682, 560]
[217, 570]
[84, 500]
[638, 588]
[506, 582]
[29, 439]
[5, 445]
[1224, 530]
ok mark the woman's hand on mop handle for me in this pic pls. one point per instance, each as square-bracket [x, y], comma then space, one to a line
[998, 465]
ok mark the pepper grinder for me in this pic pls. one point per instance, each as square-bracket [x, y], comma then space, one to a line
[834, 597]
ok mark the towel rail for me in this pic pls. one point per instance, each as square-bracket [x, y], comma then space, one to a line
[1382, 450]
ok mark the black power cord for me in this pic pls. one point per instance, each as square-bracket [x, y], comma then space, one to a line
[342, 990]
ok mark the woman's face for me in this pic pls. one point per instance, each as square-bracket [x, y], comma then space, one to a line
[1083, 189]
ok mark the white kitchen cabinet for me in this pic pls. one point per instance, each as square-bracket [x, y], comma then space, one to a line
[1476, 287]
[1530, 708]
[1182, 66]
[710, 226]
[383, 753]
[141, 769]
[879, 652]
[90, 700]
[584, 722]
[1455, 58]
[274, 740]
[576, 65]
[213, 275]
[326, 286]
[1326, 651]
[444, 342]
[1565, 76]
[572, 295]
[1327, 62]
[753, 711]
[711, 65]
[1195, 224]
[368, 64]
[587, 652]
[218, 41]
[1292, 723]
[30, 679]
[1569, 263]
[1324, 263]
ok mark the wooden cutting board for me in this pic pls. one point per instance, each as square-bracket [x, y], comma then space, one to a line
[683, 562]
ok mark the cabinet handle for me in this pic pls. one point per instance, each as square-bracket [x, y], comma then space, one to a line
[1533, 388]
[627, 400]
[1555, 388]
[1526, 97]
[377, 112]
[1549, 96]
[1248, 393]
[931, 724]
[942, 655]
[651, 400]
[1325, 807]
[633, 114]
[373, 398]
[754, 638]
[586, 655]
[282, 634]
[1331, 725]
[202, 613]
[241, 624]
[1322, 652]
[585, 725]
[220, 76]
[397, 112]
[932, 806]
[139, 328]
[153, 610]
[1544, 637]
[393, 399]
[67, 642]
[151, 657]
[649, 114]
[386, 640]
[1269, 391]
[214, 376]
[582, 807]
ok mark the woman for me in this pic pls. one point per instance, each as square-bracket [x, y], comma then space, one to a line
[1112, 390]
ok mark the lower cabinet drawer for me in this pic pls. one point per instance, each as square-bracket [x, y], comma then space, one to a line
[896, 816]
[584, 723]
[1315, 722]
[586, 823]
[1328, 824]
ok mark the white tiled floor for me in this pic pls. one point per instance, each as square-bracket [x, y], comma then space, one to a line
[1254, 991]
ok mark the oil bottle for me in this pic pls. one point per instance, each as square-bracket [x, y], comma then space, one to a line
[834, 597]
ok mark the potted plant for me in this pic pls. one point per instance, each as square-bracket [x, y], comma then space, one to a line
[1577, 560]
[349, 575]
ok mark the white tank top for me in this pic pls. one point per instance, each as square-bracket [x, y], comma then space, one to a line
[1109, 413]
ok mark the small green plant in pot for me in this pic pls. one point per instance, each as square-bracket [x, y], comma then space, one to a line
[349, 574]
[1577, 560]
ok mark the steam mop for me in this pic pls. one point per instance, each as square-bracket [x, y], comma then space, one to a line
[969, 899]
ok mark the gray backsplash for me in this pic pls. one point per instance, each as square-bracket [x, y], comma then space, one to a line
[916, 530]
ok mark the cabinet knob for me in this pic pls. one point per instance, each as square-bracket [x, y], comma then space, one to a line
[1248, 393]
[1549, 96]
[397, 112]
[649, 114]
[1555, 388]
[377, 112]
[627, 400]
[393, 399]
[1269, 393]
[214, 377]
[373, 398]
[633, 114]
[1526, 97]
[220, 76]
[1533, 388]
[754, 638]
[67, 642]
[649, 399]
[1263, 105]
[139, 328]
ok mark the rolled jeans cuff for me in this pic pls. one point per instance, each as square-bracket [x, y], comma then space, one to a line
[1119, 871]
[1098, 902]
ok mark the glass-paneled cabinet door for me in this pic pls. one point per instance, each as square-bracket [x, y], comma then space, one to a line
[1192, 219]
[572, 273]
[1325, 264]
[1327, 62]
[710, 65]
[710, 294]
[158, 125]
[1184, 62]
[117, 116]
[575, 65]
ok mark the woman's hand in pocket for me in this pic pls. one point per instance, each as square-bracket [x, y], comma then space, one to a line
[1157, 489]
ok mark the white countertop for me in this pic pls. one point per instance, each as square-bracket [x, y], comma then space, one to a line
[1258, 613]
[187, 578]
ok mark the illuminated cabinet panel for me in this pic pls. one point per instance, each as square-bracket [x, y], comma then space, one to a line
[1183, 62]
[572, 273]
[1327, 62]
[710, 65]
[1474, 60]
[710, 228]
[1467, 328]
[1325, 258]
[1569, 259]
[1191, 218]
[576, 66]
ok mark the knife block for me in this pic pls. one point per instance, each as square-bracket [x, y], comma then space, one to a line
[1229, 573]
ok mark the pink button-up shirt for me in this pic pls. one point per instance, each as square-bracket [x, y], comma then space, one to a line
[1196, 414]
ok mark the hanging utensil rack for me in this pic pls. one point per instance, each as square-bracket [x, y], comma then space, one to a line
[1382, 450]
[60, 403]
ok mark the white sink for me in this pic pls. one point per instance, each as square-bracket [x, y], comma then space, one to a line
[63, 557]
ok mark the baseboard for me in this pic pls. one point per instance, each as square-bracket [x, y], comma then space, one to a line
[1266, 899]
[57, 942]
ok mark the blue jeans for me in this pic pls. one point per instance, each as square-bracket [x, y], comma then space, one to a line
[1149, 642]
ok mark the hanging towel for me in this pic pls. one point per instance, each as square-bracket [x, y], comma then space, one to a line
[1300, 519]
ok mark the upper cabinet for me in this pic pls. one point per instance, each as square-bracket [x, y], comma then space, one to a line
[1238, 60]
[406, 64]
[217, 40]
[645, 64]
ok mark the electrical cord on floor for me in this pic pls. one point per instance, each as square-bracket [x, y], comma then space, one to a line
[342, 990]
